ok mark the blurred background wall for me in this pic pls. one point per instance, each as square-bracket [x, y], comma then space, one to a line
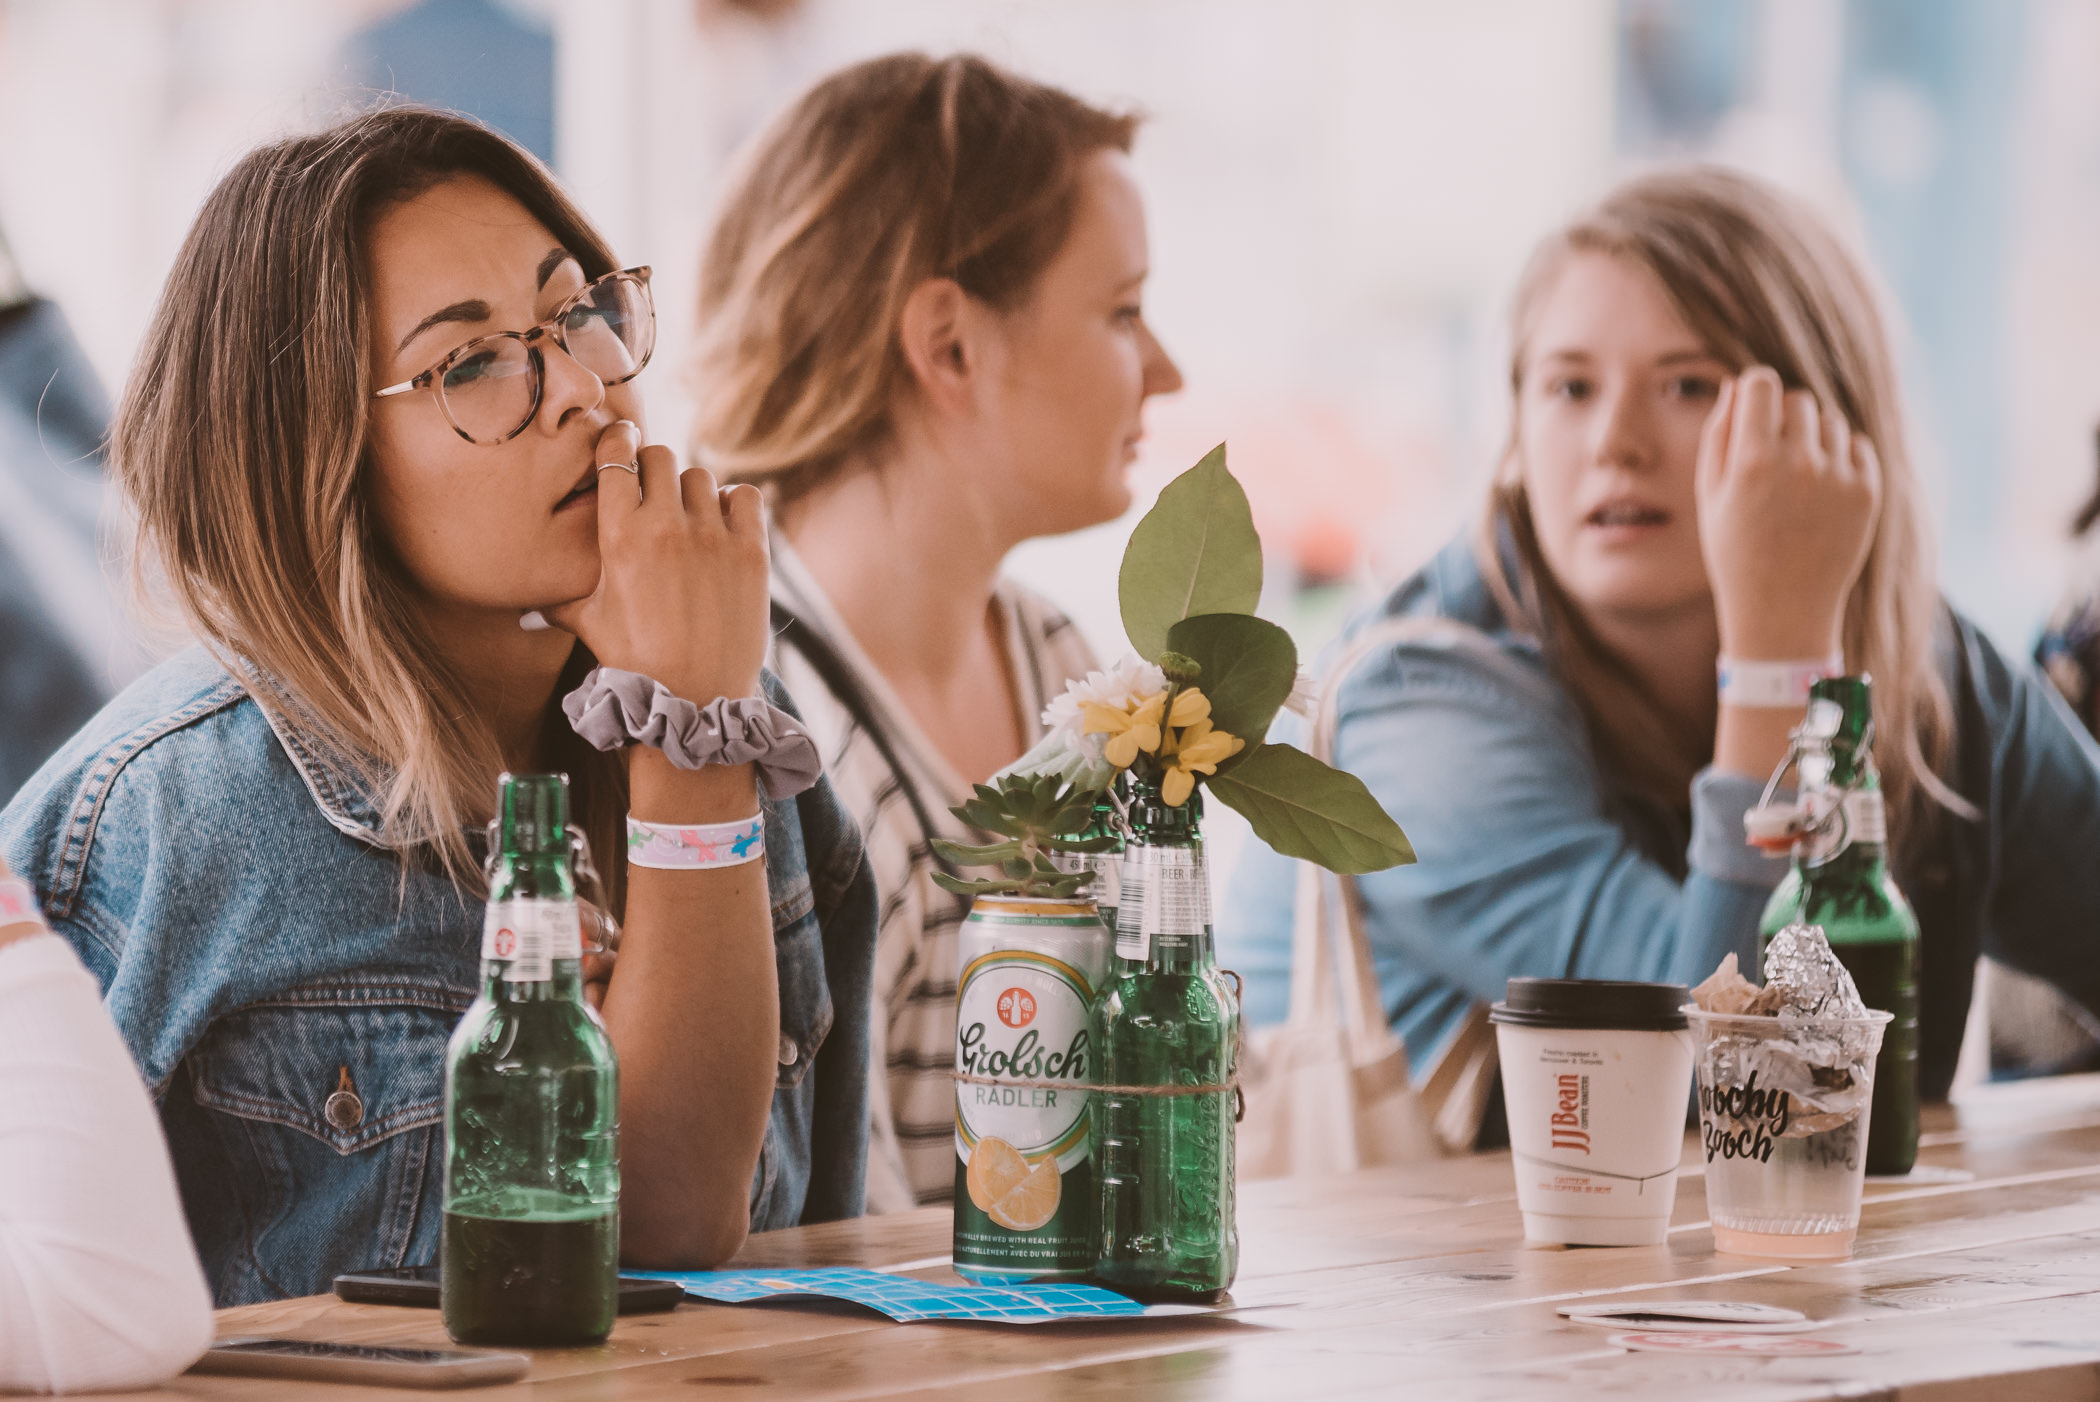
[1340, 193]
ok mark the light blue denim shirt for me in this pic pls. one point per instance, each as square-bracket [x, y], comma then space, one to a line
[260, 951]
[1530, 864]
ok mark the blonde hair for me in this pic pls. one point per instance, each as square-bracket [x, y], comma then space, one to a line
[241, 444]
[884, 174]
[1761, 281]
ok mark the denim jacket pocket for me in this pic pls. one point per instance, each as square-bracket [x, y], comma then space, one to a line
[805, 994]
[330, 1106]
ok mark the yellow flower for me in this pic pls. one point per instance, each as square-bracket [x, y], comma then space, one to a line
[1131, 732]
[1198, 749]
[1189, 707]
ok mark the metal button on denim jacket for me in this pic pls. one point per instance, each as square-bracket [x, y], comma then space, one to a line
[288, 998]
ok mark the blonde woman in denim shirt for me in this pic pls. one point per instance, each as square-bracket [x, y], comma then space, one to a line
[1707, 460]
[265, 849]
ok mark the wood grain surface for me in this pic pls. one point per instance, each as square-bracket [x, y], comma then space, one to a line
[1410, 1283]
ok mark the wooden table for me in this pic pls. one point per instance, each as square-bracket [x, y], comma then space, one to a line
[1414, 1283]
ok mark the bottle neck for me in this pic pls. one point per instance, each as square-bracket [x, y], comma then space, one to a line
[564, 983]
[1154, 820]
[1163, 921]
[532, 931]
[1180, 954]
[1855, 836]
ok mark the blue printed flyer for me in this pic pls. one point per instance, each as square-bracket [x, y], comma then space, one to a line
[909, 1301]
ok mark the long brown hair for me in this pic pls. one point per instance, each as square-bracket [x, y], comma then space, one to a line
[1761, 281]
[241, 444]
[881, 176]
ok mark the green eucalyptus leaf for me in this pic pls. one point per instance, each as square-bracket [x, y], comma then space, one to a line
[1304, 808]
[1249, 667]
[1195, 551]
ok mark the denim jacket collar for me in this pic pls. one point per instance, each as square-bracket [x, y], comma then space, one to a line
[345, 788]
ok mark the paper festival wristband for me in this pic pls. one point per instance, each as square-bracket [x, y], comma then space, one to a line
[1773, 684]
[695, 846]
[18, 905]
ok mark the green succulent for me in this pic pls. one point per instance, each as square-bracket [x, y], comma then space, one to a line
[1037, 815]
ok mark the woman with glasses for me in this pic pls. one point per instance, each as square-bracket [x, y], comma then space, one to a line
[383, 449]
[922, 330]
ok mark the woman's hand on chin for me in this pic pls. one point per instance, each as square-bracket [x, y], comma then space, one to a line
[1788, 496]
[681, 595]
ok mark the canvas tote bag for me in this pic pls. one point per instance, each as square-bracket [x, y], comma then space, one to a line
[1329, 1090]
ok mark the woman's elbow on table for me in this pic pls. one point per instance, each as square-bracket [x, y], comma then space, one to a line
[698, 1237]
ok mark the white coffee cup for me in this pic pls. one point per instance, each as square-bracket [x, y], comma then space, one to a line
[1596, 1080]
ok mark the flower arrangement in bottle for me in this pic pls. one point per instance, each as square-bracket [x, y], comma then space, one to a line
[1187, 714]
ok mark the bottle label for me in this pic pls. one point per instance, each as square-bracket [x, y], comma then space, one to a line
[526, 935]
[1107, 889]
[1107, 868]
[1866, 817]
[1165, 895]
[1860, 817]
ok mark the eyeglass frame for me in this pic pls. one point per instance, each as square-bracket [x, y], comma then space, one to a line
[550, 328]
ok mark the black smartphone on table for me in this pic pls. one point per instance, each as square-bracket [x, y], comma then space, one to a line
[417, 1287]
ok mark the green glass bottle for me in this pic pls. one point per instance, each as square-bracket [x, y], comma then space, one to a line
[1106, 865]
[531, 1237]
[1167, 1228]
[1840, 881]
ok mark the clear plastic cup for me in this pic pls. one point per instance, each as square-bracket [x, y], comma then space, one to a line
[1783, 1108]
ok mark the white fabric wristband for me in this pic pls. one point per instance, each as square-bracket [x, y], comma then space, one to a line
[18, 903]
[1773, 684]
[695, 846]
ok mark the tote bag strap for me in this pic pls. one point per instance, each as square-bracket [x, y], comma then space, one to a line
[837, 674]
[1330, 945]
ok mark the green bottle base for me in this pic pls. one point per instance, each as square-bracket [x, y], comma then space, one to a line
[537, 1284]
[1158, 1294]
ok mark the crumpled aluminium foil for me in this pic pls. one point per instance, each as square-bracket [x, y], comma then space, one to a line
[1825, 1064]
[1812, 981]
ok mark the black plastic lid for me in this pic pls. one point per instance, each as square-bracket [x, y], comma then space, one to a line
[1597, 1003]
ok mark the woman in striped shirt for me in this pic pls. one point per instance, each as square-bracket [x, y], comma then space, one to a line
[920, 330]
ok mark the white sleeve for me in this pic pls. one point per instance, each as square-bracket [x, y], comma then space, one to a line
[99, 1284]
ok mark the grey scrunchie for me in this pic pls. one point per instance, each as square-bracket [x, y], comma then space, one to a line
[614, 709]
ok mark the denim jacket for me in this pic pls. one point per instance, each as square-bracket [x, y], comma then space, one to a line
[256, 944]
[1531, 864]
